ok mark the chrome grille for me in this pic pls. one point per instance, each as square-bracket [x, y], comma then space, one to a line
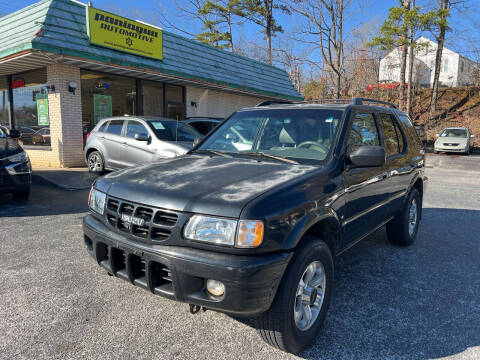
[148, 223]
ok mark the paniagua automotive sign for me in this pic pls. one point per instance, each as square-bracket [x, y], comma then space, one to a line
[116, 32]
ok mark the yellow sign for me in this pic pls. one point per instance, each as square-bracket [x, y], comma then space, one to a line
[116, 32]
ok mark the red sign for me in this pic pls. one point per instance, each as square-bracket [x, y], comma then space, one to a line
[18, 84]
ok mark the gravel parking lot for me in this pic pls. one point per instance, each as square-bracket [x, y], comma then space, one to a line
[389, 302]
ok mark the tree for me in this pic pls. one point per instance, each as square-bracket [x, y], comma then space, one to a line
[439, 27]
[224, 12]
[394, 34]
[324, 21]
[260, 12]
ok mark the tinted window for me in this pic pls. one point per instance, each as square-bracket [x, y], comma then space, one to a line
[363, 132]
[134, 127]
[171, 130]
[115, 127]
[103, 127]
[390, 136]
[202, 127]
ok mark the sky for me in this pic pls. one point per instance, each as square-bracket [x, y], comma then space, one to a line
[369, 12]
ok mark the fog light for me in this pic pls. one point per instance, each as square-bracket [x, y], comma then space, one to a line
[215, 287]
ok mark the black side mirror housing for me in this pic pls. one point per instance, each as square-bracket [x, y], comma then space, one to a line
[14, 134]
[368, 156]
[142, 137]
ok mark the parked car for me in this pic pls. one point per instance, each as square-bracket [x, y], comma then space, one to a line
[384, 85]
[454, 139]
[203, 124]
[42, 136]
[15, 167]
[26, 134]
[119, 142]
[253, 230]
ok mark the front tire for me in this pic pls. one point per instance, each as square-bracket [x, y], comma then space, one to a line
[95, 163]
[402, 230]
[302, 300]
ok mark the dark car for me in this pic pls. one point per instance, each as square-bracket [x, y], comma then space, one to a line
[15, 167]
[203, 124]
[250, 226]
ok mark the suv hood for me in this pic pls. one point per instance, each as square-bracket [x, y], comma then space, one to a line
[200, 183]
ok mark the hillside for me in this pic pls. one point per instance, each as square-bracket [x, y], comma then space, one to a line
[455, 107]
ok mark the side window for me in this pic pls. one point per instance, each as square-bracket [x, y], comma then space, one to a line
[392, 137]
[103, 127]
[201, 127]
[134, 127]
[363, 132]
[115, 127]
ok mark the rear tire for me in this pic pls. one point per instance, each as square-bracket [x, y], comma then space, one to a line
[285, 325]
[95, 162]
[402, 230]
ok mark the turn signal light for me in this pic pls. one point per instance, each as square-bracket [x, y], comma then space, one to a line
[250, 233]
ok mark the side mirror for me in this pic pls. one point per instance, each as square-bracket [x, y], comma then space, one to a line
[14, 134]
[437, 135]
[368, 156]
[142, 137]
[472, 136]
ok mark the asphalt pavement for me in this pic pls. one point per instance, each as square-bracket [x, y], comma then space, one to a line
[420, 302]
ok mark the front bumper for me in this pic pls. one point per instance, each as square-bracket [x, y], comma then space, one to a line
[179, 273]
[444, 148]
[15, 177]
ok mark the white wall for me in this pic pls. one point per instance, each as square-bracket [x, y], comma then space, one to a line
[211, 103]
[424, 66]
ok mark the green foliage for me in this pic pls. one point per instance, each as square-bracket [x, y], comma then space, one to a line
[217, 20]
[261, 13]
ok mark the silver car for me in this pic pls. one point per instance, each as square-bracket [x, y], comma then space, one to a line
[454, 139]
[119, 142]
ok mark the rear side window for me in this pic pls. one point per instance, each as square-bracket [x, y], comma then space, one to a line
[392, 136]
[103, 127]
[363, 132]
[115, 127]
[202, 127]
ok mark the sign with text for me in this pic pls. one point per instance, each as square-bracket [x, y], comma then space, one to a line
[102, 107]
[42, 112]
[116, 32]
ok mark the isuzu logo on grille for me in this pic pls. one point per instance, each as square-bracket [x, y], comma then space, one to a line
[129, 220]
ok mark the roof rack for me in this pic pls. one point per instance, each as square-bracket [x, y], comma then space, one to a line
[273, 102]
[360, 101]
[354, 101]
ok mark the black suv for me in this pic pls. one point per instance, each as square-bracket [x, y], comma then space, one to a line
[15, 167]
[249, 221]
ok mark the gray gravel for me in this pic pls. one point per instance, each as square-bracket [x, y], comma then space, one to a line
[390, 302]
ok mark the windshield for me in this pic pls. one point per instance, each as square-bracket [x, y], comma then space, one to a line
[299, 134]
[459, 133]
[171, 130]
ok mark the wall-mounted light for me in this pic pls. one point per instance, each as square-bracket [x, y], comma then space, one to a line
[193, 104]
[50, 89]
[72, 86]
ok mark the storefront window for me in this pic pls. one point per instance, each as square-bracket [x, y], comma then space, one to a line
[30, 107]
[152, 98]
[4, 101]
[174, 101]
[105, 95]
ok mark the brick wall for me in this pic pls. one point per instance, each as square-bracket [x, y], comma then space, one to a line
[65, 111]
[212, 103]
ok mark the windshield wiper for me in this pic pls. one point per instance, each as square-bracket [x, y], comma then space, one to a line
[262, 154]
[215, 152]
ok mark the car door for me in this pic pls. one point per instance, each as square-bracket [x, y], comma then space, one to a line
[137, 152]
[113, 143]
[364, 187]
[397, 165]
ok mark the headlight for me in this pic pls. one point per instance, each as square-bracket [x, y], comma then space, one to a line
[212, 230]
[223, 231]
[18, 158]
[96, 201]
